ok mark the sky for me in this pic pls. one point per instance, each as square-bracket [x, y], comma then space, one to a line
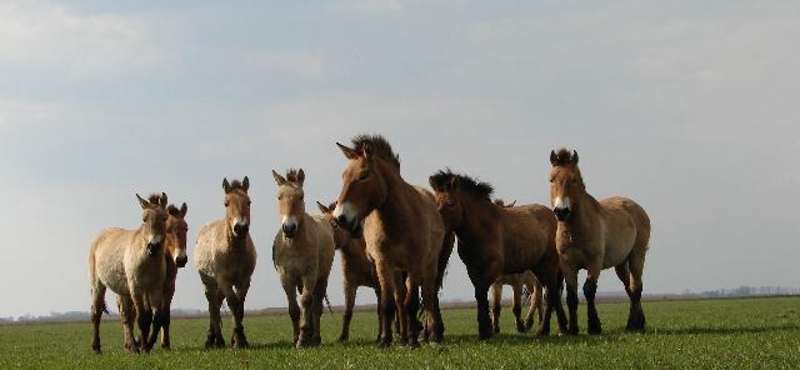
[688, 107]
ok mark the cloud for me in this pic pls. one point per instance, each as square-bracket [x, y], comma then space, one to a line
[43, 36]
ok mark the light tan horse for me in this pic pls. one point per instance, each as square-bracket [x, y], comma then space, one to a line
[176, 258]
[592, 235]
[225, 257]
[403, 231]
[131, 263]
[358, 268]
[518, 282]
[302, 254]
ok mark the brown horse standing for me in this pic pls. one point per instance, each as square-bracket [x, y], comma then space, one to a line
[517, 282]
[495, 240]
[357, 268]
[131, 263]
[403, 231]
[302, 253]
[225, 257]
[175, 258]
[592, 235]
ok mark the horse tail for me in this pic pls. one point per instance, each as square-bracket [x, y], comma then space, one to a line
[328, 302]
[444, 258]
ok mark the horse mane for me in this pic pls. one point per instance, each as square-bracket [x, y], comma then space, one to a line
[236, 184]
[564, 156]
[480, 189]
[332, 206]
[292, 175]
[173, 211]
[379, 146]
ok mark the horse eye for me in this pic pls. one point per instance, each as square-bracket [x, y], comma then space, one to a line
[248, 202]
[226, 203]
[363, 175]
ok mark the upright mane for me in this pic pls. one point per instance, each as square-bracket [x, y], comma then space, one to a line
[292, 175]
[379, 146]
[477, 188]
[236, 185]
[154, 199]
[564, 156]
[173, 210]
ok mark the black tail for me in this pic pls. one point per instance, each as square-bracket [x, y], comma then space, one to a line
[328, 302]
[444, 258]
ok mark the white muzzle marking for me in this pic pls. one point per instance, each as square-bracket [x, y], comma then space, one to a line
[288, 221]
[345, 209]
[181, 254]
[154, 239]
[561, 203]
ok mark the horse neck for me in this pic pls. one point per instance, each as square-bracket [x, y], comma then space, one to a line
[478, 218]
[232, 242]
[354, 250]
[587, 211]
[397, 190]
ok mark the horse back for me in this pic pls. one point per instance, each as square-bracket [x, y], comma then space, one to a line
[626, 225]
[528, 234]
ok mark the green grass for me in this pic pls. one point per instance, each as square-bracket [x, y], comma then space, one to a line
[715, 334]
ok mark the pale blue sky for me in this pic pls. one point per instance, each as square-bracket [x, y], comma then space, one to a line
[689, 107]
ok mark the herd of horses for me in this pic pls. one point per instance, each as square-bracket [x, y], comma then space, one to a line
[393, 237]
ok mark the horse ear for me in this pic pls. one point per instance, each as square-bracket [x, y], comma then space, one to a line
[184, 210]
[142, 202]
[226, 186]
[432, 183]
[575, 157]
[349, 153]
[301, 176]
[278, 178]
[163, 200]
[323, 208]
[245, 184]
[553, 158]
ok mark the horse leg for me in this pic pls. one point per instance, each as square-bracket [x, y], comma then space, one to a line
[126, 317]
[155, 301]
[294, 309]
[97, 308]
[496, 304]
[307, 314]
[319, 303]
[349, 303]
[169, 293]
[433, 314]
[411, 302]
[589, 291]
[571, 278]
[213, 296]
[380, 313]
[238, 331]
[143, 316]
[535, 292]
[386, 278]
[636, 320]
[400, 294]
[517, 306]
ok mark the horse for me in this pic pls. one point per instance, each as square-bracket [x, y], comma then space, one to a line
[302, 254]
[225, 257]
[596, 235]
[175, 259]
[494, 240]
[358, 269]
[131, 263]
[517, 282]
[403, 232]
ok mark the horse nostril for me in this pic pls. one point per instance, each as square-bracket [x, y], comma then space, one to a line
[341, 220]
[289, 229]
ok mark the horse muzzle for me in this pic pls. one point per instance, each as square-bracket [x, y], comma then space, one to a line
[153, 249]
[562, 214]
[289, 230]
[240, 230]
[181, 261]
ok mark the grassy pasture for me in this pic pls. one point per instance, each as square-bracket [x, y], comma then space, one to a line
[759, 333]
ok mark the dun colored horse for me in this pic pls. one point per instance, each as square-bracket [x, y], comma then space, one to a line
[302, 254]
[131, 263]
[225, 257]
[592, 235]
[517, 282]
[357, 268]
[494, 240]
[175, 259]
[403, 232]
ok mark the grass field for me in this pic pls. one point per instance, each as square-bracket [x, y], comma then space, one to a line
[710, 334]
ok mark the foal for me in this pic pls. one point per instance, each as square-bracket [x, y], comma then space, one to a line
[225, 257]
[302, 254]
[494, 240]
[517, 282]
[175, 259]
[357, 268]
[592, 235]
[131, 263]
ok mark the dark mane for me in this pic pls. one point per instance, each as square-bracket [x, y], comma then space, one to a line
[173, 211]
[564, 155]
[480, 189]
[236, 184]
[292, 174]
[154, 198]
[379, 146]
[332, 206]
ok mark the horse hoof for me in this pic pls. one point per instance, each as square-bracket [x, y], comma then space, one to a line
[520, 328]
[384, 342]
[595, 331]
[96, 349]
[343, 338]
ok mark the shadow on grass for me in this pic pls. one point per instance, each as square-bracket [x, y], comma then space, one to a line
[723, 331]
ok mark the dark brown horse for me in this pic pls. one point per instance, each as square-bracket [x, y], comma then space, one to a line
[494, 240]
[176, 258]
[403, 231]
[592, 235]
